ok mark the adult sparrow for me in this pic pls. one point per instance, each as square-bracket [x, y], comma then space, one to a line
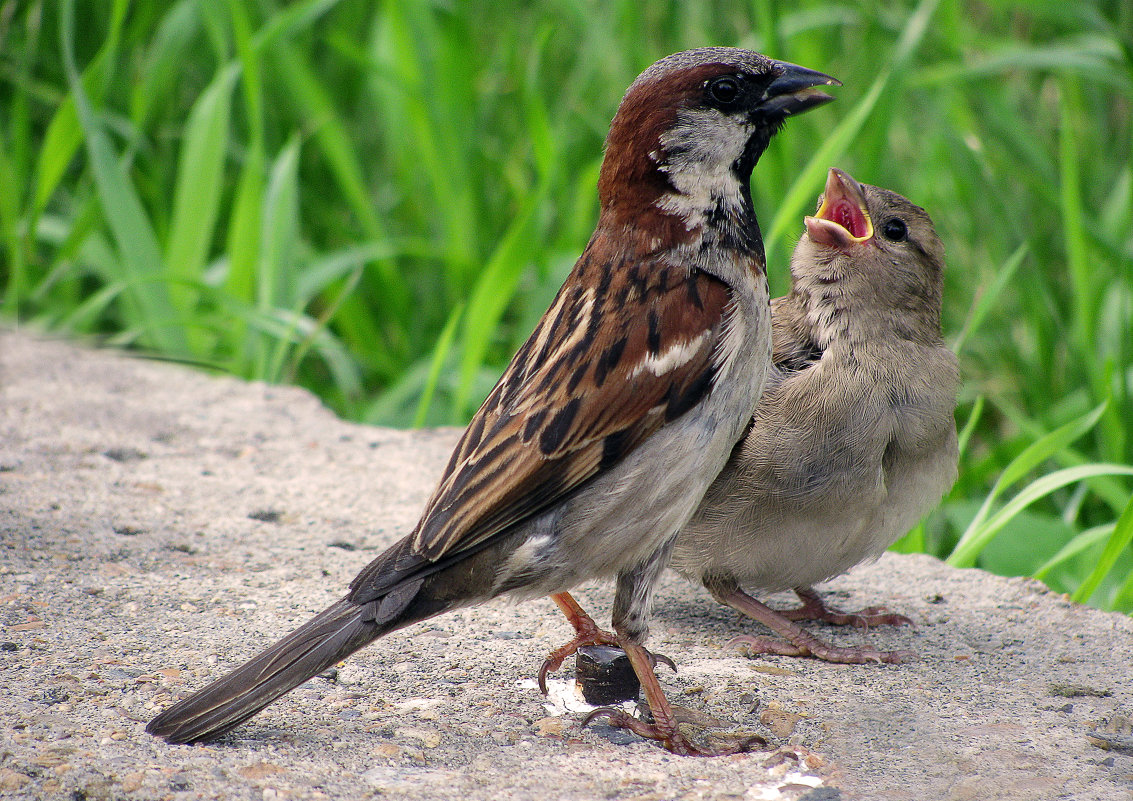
[613, 418]
[853, 440]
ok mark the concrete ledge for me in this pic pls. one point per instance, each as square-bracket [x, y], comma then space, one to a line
[158, 525]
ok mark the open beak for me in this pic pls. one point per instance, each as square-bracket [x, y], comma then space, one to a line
[842, 220]
[795, 91]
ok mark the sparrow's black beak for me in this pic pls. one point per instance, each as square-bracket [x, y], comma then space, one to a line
[794, 91]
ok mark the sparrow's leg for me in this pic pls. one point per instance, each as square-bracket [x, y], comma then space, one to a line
[814, 608]
[586, 633]
[799, 641]
[632, 601]
[664, 726]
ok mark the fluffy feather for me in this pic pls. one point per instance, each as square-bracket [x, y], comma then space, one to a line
[854, 439]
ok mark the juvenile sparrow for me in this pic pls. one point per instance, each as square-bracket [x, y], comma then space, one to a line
[853, 440]
[611, 421]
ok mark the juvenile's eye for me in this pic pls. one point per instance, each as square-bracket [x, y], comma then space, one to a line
[895, 230]
[725, 90]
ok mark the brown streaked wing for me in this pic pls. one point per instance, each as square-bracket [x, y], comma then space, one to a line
[574, 401]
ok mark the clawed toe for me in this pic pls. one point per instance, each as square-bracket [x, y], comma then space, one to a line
[797, 641]
[850, 655]
[555, 659]
[671, 738]
[814, 608]
[863, 618]
[662, 726]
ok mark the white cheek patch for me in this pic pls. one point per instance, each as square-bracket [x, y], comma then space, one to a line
[698, 154]
[705, 139]
[676, 355]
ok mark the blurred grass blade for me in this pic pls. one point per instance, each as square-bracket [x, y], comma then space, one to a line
[321, 273]
[1117, 210]
[133, 234]
[13, 284]
[197, 194]
[63, 139]
[1045, 447]
[1108, 490]
[332, 139]
[989, 297]
[912, 542]
[1123, 598]
[1118, 542]
[976, 538]
[1091, 56]
[280, 230]
[245, 220]
[245, 224]
[288, 329]
[965, 435]
[492, 293]
[321, 330]
[1073, 224]
[161, 72]
[92, 307]
[439, 159]
[440, 357]
[1081, 543]
[275, 277]
[64, 135]
[289, 19]
[339, 274]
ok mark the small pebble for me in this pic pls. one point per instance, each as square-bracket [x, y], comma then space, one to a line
[614, 735]
[550, 727]
[12, 780]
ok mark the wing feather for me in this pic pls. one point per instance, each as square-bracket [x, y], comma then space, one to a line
[591, 383]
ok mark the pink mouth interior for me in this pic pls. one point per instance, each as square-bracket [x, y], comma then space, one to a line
[849, 216]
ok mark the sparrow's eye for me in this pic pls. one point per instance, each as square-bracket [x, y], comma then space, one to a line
[895, 230]
[725, 90]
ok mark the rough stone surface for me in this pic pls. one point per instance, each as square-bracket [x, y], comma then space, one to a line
[158, 525]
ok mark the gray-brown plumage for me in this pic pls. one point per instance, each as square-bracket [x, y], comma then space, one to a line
[854, 439]
[613, 418]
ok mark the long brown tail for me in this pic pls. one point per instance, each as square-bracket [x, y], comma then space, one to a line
[398, 588]
[329, 637]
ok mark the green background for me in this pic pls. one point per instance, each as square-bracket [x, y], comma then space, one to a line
[377, 200]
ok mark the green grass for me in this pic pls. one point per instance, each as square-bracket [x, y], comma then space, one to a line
[378, 200]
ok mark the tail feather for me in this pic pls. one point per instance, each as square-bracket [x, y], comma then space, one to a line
[396, 589]
[329, 637]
